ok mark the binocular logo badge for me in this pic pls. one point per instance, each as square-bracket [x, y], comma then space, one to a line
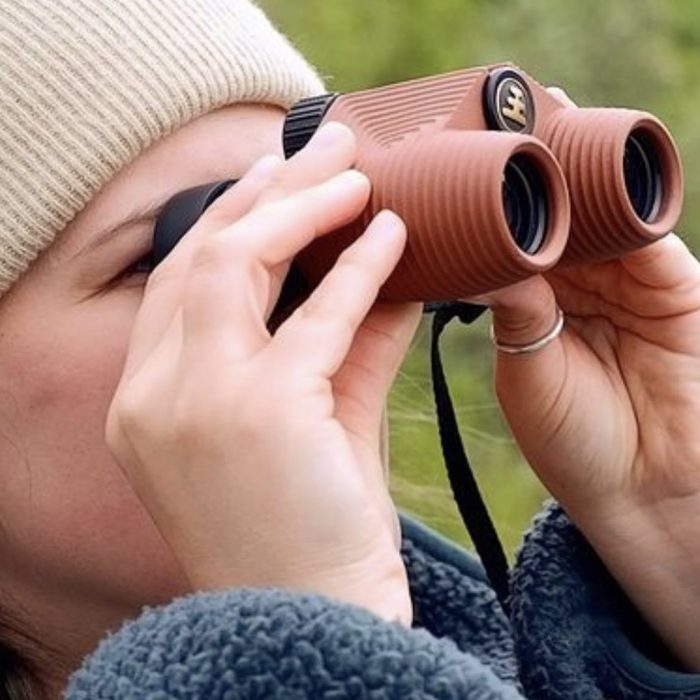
[508, 102]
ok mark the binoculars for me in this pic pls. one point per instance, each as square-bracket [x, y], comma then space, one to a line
[495, 177]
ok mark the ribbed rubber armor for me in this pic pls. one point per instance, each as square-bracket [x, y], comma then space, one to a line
[447, 187]
[589, 144]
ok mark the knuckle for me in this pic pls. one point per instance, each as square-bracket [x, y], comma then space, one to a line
[208, 255]
[317, 308]
[129, 411]
[161, 276]
[220, 250]
[323, 317]
[279, 187]
[381, 337]
[353, 262]
[222, 212]
[311, 206]
[356, 272]
[217, 217]
[193, 415]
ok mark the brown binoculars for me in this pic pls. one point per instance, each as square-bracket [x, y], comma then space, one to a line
[495, 177]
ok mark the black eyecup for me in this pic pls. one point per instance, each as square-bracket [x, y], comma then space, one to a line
[643, 175]
[525, 203]
[180, 214]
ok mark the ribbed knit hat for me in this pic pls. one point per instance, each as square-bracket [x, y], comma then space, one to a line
[87, 85]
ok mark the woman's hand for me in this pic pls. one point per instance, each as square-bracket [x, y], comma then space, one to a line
[258, 455]
[608, 416]
[608, 413]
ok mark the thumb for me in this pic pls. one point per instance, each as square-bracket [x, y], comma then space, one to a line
[379, 348]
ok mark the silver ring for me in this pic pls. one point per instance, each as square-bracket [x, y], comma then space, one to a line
[536, 344]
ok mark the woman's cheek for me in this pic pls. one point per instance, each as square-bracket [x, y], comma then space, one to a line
[73, 512]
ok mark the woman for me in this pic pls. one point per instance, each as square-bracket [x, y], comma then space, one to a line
[159, 442]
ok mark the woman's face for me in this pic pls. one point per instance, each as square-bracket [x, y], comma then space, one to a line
[74, 540]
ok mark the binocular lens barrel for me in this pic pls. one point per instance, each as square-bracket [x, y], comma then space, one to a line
[643, 176]
[525, 202]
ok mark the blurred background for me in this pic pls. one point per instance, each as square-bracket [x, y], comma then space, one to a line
[630, 53]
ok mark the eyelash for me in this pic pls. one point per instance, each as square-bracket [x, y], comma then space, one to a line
[137, 267]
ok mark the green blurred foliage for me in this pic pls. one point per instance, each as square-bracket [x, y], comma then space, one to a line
[632, 53]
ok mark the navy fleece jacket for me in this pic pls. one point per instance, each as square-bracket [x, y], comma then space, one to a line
[573, 635]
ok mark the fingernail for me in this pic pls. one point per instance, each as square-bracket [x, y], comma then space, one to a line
[385, 225]
[329, 135]
[387, 219]
[265, 166]
[349, 178]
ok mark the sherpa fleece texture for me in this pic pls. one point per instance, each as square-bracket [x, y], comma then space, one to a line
[573, 636]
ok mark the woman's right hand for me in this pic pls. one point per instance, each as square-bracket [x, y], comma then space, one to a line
[258, 455]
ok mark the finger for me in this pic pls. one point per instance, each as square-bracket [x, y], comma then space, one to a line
[561, 95]
[275, 232]
[663, 264]
[229, 287]
[528, 385]
[659, 281]
[321, 331]
[361, 386]
[331, 150]
[165, 285]
[523, 313]
[365, 378]
[362, 383]
[235, 203]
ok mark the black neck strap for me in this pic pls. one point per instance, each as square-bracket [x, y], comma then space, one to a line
[465, 490]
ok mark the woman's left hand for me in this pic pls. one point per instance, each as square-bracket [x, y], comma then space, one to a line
[608, 414]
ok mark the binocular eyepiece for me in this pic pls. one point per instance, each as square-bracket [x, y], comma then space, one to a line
[496, 178]
[643, 176]
[525, 203]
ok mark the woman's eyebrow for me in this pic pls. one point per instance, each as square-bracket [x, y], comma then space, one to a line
[142, 215]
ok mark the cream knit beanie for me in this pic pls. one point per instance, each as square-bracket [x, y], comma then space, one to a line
[86, 85]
